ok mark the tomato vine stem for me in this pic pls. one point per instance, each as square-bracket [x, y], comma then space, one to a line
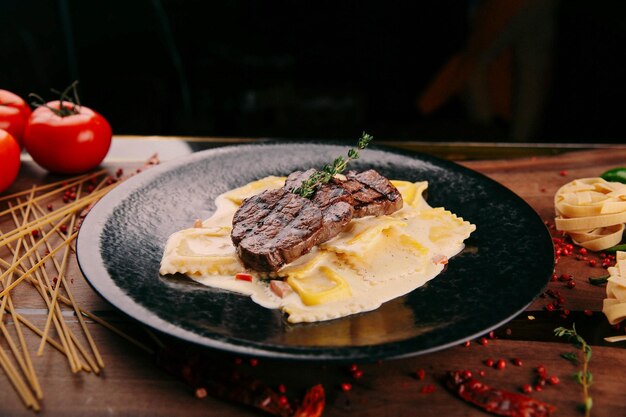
[63, 110]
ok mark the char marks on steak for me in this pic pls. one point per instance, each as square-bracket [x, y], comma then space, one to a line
[373, 194]
[276, 227]
[370, 193]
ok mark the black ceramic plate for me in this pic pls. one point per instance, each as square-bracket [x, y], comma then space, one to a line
[506, 264]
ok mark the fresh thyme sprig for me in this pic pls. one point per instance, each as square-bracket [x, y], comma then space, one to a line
[308, 186]
[584, 376]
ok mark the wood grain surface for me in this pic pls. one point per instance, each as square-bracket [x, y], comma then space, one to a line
[135, 383]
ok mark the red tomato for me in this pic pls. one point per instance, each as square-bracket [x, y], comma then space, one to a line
[9, 159]
[67, 144]
[14, 114]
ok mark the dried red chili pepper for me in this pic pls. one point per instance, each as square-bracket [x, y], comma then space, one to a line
[313, 403]
[495, 401]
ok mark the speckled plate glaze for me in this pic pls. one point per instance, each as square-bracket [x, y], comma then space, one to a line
[506, 264]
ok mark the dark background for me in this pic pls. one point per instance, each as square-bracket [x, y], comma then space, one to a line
[326, 69]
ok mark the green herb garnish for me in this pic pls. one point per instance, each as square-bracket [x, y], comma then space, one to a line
[584, 376]
[601, 280]
[309, 186]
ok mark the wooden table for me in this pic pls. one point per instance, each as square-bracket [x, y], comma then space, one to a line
[133, 383]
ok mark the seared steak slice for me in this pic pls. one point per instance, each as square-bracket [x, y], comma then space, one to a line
[332, 193]
[368, 192]
[373, 194]
[335, 218]
[296, 178]
[275, 227]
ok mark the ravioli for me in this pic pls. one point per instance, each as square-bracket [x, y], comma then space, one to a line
[374, 260]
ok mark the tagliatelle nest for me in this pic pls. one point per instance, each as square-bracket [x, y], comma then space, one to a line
[592, 212]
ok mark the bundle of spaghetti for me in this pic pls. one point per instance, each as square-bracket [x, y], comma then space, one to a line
[28, 254]
[592, 212]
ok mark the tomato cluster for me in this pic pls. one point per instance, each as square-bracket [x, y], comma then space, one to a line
[61, 136]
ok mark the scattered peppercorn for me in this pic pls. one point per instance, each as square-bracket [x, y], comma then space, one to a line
[541, 371]
[428, 389]
[466, 374]
[201, 393]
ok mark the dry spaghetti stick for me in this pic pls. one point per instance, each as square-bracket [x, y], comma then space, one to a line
[55, 294]
[30, 375]
[17, 382]
[37, 265]
[90, 365]
[92, 343]
[36, 330]
[37, 188]
[108, 326]
[73, 304]
[53, 305]
[59, 322]
[43, 213]
[47, 219]
[52, 193]
[27, 323]
[85, 313]
[33, 248]
[154, 338]
[23, 320]
[96, 188]
[52, 217]
[23, 358]
[34, 381]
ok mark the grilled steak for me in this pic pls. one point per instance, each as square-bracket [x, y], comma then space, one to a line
[368, 192]
[296, 178]
[276, 227]
[373, 194]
